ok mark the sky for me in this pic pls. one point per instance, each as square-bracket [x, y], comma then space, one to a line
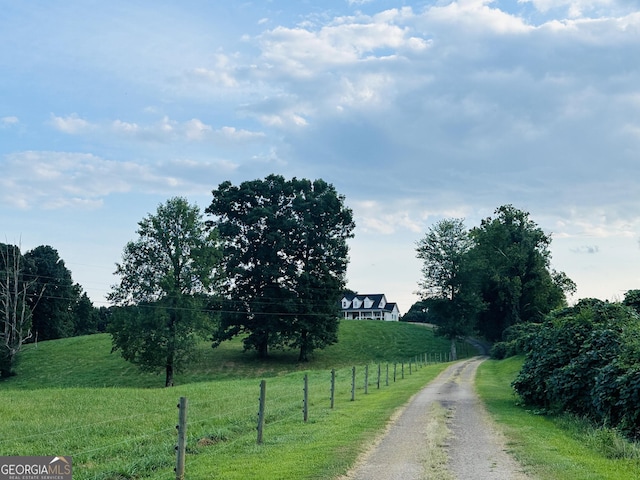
[414, 110]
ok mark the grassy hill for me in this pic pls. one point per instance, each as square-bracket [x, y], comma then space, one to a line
[88, 362]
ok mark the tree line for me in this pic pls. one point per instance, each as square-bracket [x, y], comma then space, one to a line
[483, 280]
[40, 301]
[268, 263]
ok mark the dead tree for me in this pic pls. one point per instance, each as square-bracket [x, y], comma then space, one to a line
[15, 306]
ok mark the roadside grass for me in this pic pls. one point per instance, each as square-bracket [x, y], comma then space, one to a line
[552, 447]
[72, 397]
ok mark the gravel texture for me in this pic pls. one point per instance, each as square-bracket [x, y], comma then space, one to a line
[472, 448]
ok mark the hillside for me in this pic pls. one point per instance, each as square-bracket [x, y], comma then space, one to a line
[88, 362]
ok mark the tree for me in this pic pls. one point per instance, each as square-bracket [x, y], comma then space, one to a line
[15, 309]
[285, 257]
[165, 277]
[53, 315]
[632, 299]
[85, 316]
[320, 252]
[447, 285]
[418, 313]
[516, 283]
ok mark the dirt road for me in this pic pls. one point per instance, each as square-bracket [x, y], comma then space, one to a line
[443, 433]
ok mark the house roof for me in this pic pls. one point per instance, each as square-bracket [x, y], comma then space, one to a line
[376, 299]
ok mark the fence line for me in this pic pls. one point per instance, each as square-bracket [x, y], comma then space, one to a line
[320, 390]
[304, 402]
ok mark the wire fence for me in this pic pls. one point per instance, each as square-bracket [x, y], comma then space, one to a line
[145, 442]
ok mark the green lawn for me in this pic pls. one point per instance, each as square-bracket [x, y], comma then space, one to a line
[555, 448]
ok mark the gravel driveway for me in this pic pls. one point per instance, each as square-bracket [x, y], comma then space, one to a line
[443, 433]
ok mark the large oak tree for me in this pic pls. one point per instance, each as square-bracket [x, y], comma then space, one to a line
[285, 259]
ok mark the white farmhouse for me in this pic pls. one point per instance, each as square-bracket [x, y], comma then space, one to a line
[373, 307]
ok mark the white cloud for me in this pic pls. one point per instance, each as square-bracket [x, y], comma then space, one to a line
[196, 130]
[475, 16]
[164, 130]
[589, 249]
[374, 217]
[574, 8]
[54, 180]
[8, 121]
[301, 52]
[71, 124]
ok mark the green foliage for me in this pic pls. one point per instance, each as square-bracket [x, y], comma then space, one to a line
[285, 258]
[54, 294]
[512, 254]
[517, 340]
[491, 278]
[583, 360]
[448, 281]
[167, 273]
[418, 313]
[632, 299]
[85, 316]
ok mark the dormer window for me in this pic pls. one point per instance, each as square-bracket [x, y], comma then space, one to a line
[356, 303]
[368, 303]
[345, 303]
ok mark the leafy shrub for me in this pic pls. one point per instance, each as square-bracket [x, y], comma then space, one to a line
[517, 340]
[583, 360]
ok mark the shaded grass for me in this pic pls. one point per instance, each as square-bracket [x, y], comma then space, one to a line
[548, 447]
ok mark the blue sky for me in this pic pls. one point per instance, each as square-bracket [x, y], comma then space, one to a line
[414, 111]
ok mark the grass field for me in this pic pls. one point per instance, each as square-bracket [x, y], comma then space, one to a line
[72, 397]
[553, 448]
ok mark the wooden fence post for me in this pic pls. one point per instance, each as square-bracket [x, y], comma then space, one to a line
[387, 380]
[403, 370]
[305, 409]
[181, 448]
[366, 379]
[263, 394]
[378, 376]
[395, 367]
[333, 386]
[353, 384]
[409, 366]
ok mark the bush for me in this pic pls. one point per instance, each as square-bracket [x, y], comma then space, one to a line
[583, 360]
[517, 340]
